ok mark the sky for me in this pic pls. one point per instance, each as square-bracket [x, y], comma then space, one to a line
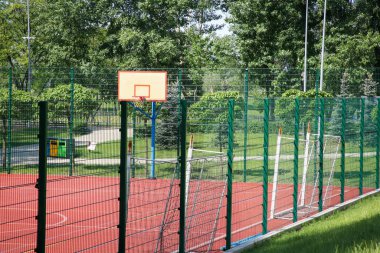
[225, 30]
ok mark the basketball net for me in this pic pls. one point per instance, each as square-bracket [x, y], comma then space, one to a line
[142, 99]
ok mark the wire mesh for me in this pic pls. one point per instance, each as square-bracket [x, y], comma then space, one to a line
[83, 180]
[369, 141]
[84, 156]
[205, 197]
[18, 194]
[352, 147]
[247, 186]
[207, 170]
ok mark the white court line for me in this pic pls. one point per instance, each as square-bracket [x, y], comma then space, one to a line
[63, 217]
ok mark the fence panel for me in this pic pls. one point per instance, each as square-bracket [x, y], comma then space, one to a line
[18, 193]
[83, 151]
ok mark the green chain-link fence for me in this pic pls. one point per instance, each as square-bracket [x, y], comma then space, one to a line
[245, 168]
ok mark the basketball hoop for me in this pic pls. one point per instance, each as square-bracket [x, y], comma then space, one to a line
[142, 86]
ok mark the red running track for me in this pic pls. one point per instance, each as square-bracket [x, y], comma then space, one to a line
[83, 213]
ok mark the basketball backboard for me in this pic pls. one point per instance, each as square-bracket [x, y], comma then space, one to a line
[150, 86]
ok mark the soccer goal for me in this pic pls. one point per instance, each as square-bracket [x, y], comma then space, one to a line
[282, 188]
[206, 185]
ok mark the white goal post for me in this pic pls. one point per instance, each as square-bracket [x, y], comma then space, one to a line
[308, 194]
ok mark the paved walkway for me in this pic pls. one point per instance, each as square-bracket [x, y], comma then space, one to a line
[28, 154]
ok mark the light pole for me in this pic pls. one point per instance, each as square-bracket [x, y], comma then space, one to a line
[305, 59]
[28, 38]
[323, 45]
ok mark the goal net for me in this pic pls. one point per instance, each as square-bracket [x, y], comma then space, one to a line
[281, 205]
[206, 185]
[205, 188]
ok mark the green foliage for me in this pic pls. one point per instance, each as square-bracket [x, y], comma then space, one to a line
[86, 102]
[212, 110]
[12, 27]
[167, 129]
[23, 108]
[22, 104]
[293, 93]
[369, 86]
[284, 107]
[270, 34]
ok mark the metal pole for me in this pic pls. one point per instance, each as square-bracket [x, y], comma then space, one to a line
[378, 144]
[179, 114]
[321, 146]
[182, 218]
[323, 44]
[29, 63]
[133, 142]
[9, 130]
[305, 59]
[71, 123]
[361, 145]
[295, 169]
[42, 178]
[265, 166]
[153, 142]
[246, 78]
[123, 178]
[343, 151]
[230, 155]
[316, 123]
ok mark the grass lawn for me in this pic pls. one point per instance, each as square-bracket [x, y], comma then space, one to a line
[254, 171]
[353, 230]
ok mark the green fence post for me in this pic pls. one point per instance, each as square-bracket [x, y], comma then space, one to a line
[179, 76]
[316, 125]
[123, 178]
[343, 150]
[71, 123]
[361, 146]
[133, 143]
[378, 143]
[42, 178]
[265, 167]
[182, 214]
[246, 79]
[295, 169]
[321, 147]
[230, 156]
[9, 134]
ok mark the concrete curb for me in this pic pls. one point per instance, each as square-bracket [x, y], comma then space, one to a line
[301, 223]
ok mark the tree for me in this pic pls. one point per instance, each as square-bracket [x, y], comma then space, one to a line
[369, 87]
[344, 85]
[22, 108]
[284, 108]
[12, 30]
[86, 102]
[210, 114]
[167, 130]
[265, 39]
[270, 34]
[67, 33]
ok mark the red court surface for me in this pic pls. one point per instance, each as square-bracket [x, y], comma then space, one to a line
[83, 213]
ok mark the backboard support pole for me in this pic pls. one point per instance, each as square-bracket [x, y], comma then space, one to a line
[153, 142]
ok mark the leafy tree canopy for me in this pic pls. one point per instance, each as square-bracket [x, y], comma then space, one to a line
[86, 101]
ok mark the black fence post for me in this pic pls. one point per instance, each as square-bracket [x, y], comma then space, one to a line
[42, 178]
[123, 178]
